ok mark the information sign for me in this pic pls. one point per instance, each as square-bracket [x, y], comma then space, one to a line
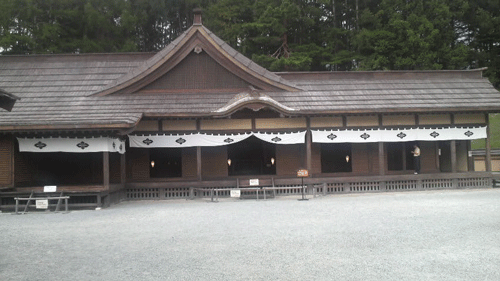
[254, 182]
[302, 173]
[42, 204]
[50, 188]
[235, 193]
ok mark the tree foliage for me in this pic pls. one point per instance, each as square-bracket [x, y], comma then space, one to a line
[281, 35]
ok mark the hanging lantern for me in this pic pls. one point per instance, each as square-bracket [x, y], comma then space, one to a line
[272, 161]
[229, 162]
[152, 164]
[347, 158]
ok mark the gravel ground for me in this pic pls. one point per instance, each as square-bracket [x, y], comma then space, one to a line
[427, 235]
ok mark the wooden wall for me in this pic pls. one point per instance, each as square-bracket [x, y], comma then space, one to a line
[6, 161]
[214, 162]
[289, 159]
[189, 169]
[137, 164]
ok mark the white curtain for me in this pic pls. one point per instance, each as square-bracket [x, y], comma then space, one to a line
[398, 135]
[201, 139]
[76, 145]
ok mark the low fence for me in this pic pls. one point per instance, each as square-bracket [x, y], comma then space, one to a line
[313, 186]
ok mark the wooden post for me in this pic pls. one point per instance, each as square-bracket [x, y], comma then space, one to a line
[488, 145]
[198, 162]
[123, 169]
[437, 157]
[470, 160]
[309, 151]
[105, 169]
[453, 151]
[381, 158]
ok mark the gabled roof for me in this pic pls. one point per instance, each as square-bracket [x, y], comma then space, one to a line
[197, 39]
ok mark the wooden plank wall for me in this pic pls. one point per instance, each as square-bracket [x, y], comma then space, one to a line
[214, 162]
[137, 164]
[289, 159]
[189, 162]
[6, 158]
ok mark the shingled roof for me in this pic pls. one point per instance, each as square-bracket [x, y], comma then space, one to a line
[110, 91]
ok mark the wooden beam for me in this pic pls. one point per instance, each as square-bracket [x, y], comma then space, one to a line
[105, 169]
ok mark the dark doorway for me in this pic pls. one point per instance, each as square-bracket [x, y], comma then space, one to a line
[336, 158]
[251, 157]
[165, 163]
[56, 168]
[400, 156]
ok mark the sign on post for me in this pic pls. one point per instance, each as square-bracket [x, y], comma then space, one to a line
[302, 173]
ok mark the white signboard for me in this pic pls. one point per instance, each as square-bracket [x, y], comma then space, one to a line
[50, 188]
[254, 182]
[235, 193]
[42, 204]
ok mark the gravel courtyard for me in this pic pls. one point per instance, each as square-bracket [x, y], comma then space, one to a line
[426, 235]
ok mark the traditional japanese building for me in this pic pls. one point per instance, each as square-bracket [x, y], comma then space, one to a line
[198, 114]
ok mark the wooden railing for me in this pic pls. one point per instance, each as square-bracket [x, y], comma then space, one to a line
[314, 186]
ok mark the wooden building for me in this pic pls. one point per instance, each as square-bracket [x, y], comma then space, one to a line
[198, 114]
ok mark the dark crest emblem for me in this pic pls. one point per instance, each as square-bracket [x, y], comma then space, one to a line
[114, 145]
[228, 140]
[332, 136]
[147, 141]
[83, 145]
[434, 134]
[40, 145]
[276, 139]
[180, 141]
[365, 136]
[121, 147]
[401, 135]
[468, 133]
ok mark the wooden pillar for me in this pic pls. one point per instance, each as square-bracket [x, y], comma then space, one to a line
[470, 160]
[105, 169]
[438, 167]
[381, 158]
[123, 169]
[453, 152]
[309, 146]
[403, 148]
[198, 162]
[488, 145]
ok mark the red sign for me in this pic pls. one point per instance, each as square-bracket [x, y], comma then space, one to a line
[302, 173]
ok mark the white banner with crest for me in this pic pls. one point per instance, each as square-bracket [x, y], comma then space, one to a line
[202, 139]
[398, 135]
[76, 145]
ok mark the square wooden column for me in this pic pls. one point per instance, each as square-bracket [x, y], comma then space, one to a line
[308, 146]
[488, 145]
[381, 158]
[105, 169]
[198, 162]
[453, 152]
[123, 169]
